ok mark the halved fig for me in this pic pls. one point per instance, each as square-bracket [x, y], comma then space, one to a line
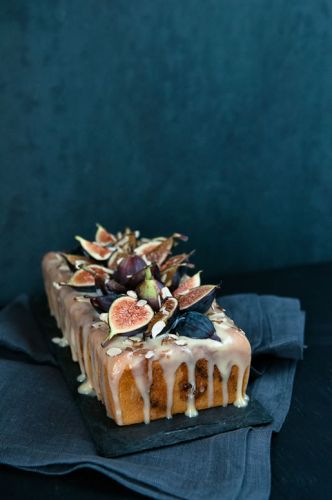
[126, 316]
[97, 270]
[149, 289]
[94, 250]
[160, 252]
[198, 299]
[82, 280]
[127, 267]
[164, 318]
[196, 326]
[75, 261]
[103, 237]
[187, 284]
[147, 247]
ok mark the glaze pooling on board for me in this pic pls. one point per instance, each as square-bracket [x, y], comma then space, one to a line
[101, 372]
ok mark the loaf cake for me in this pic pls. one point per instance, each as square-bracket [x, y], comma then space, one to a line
[151, 341]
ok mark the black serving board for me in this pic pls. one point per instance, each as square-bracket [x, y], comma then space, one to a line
[112, 440]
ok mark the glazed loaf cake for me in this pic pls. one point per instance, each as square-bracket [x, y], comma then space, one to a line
[147, 373]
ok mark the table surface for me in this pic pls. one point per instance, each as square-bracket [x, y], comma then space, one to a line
[301, 453]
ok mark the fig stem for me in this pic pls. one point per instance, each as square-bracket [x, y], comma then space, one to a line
[148, 273]
[107, 339]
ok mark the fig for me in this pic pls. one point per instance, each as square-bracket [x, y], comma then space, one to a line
[97, 270]
[140, 275]
[100, 283]
[149, 289]
[127, 316]
[82, 280]
[164, 318]
[75, 261]
[94, 250]
[188, 283]
[103, 302]
[160, 252]
[176, 260]
[103, 237]
[198, 299]
[196, 326]
[127, 267]
[147, 247]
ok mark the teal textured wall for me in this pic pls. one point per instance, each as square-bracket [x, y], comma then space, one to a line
[209, 117]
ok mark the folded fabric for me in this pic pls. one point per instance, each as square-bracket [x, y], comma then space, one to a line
[41, 428]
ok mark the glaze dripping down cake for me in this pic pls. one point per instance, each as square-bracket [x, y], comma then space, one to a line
[150, 339]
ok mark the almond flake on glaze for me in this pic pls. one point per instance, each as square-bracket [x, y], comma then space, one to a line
[141, 303]
[113, 351]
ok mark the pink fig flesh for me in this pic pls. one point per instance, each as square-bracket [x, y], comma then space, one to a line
[103, 237]
[187, 284]
[95, 250]
[125, 316]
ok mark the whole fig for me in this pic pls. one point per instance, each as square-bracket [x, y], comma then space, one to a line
[149, 289]
[127, 267]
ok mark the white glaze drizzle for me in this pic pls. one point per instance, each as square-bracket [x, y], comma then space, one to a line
[86, 389]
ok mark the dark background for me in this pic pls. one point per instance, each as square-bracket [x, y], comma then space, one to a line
[211, 117]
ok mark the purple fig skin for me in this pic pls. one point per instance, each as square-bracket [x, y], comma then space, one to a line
[100, 282]
[204, 304]
[177, 278]
[104, 302]
[215, 337]
[113, 286]
[195, 325]
[127, 267]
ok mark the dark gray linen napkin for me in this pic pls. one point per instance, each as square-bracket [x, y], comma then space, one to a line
[41, 428]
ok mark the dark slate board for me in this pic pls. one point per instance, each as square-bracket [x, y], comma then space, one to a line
[112, 440]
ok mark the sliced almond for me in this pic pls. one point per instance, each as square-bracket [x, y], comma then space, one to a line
[165, 292]
[158, 328]
[113, 351]
[180, 342]
[141, 303]
[80, 298]
[135, 339]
